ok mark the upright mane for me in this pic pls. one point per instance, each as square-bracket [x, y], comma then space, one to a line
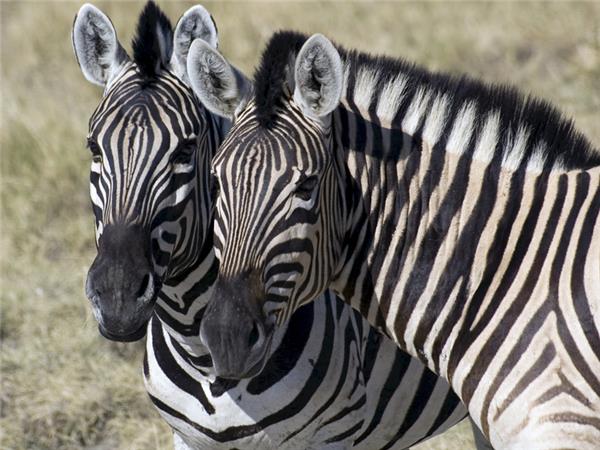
[272, 72]
[153, 41]
[552, 140]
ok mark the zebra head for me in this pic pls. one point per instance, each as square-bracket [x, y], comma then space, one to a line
[277, 236]
[149, 138]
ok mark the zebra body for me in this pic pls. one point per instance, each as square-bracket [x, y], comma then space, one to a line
[331, 380]
[461, 220]
[328, 395]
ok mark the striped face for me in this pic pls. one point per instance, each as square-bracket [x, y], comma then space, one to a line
[143, 137]
[277, 186]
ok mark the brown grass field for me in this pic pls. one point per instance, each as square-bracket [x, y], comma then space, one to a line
[62, 385]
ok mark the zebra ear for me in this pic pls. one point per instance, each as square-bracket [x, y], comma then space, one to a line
[318, 77]
[196, 23]
[220, 87]
[97, 49]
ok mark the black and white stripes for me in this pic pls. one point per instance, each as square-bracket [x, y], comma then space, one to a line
[460, 219]
[330, 380]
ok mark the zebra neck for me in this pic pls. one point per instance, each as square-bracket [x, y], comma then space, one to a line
[182, 300]
[441, 244]
[192, 268]
[194, 220]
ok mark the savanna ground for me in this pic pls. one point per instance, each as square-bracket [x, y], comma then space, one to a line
[63, 386]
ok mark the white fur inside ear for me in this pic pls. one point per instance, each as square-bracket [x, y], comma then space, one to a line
[318, 77]
[196, 23]
[97, 49]
[218, 85]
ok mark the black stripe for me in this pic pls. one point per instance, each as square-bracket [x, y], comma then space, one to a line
[172, 370]
[392, 382]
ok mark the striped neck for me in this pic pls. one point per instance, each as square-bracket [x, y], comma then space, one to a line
[443, 235]
[192, 267]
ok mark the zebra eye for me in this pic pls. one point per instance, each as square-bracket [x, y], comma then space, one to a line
[95, 149]
[305, 187]
[184, 154]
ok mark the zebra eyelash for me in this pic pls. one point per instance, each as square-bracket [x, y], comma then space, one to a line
[305, 187]
[184, 152]
[93, 146]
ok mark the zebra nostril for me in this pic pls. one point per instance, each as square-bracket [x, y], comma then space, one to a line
[143, 286]
[254, 335]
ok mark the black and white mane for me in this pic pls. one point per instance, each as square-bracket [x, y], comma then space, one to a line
[387, 86]
[153, 42]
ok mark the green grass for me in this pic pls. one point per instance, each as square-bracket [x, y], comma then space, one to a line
[63, 386]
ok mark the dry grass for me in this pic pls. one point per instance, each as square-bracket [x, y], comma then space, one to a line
[62, 385]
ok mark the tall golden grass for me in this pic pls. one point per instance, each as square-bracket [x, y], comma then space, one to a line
[63, 386]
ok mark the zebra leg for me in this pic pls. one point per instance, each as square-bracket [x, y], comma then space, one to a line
[481, 443]
[179, 443]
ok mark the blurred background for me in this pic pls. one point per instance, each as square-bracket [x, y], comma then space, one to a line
[62, 385]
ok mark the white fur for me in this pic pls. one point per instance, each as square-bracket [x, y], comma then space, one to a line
[538, 158]
[364, 90]
[390, 98]
[318, 55]
[462, 129]
[206, 66]
[436, 119]
[515, 150]
[415, 111]
[346, 77]
[97, 49]
[195, 23]
[484, 150]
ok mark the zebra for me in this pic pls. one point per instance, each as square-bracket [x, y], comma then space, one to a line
[341, 382]
[460, 218]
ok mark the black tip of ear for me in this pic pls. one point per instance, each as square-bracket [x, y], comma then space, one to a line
[153, 43]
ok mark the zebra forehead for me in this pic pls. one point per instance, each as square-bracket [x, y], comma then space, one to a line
[272, 158]
[167, 98]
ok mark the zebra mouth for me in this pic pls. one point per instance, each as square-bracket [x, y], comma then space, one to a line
[258, 367]
[255, 370]
[130, 337]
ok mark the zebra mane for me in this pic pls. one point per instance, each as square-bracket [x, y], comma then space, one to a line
[273, 71]
[381, 89]
[153, 42]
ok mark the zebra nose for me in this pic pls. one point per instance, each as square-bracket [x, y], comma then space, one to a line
[235, 339]
[120, 284]
[101, 286]
[256, 337]
[145, 292]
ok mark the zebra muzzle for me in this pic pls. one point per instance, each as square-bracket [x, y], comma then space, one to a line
[235, 332]
[121, 285]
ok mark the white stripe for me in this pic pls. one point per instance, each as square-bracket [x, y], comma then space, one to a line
[390, 99]
[415, 111]
[484, 150]
[537, 159]
[436, 119]
[364, 89]
[515, 149]
[462, 129]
